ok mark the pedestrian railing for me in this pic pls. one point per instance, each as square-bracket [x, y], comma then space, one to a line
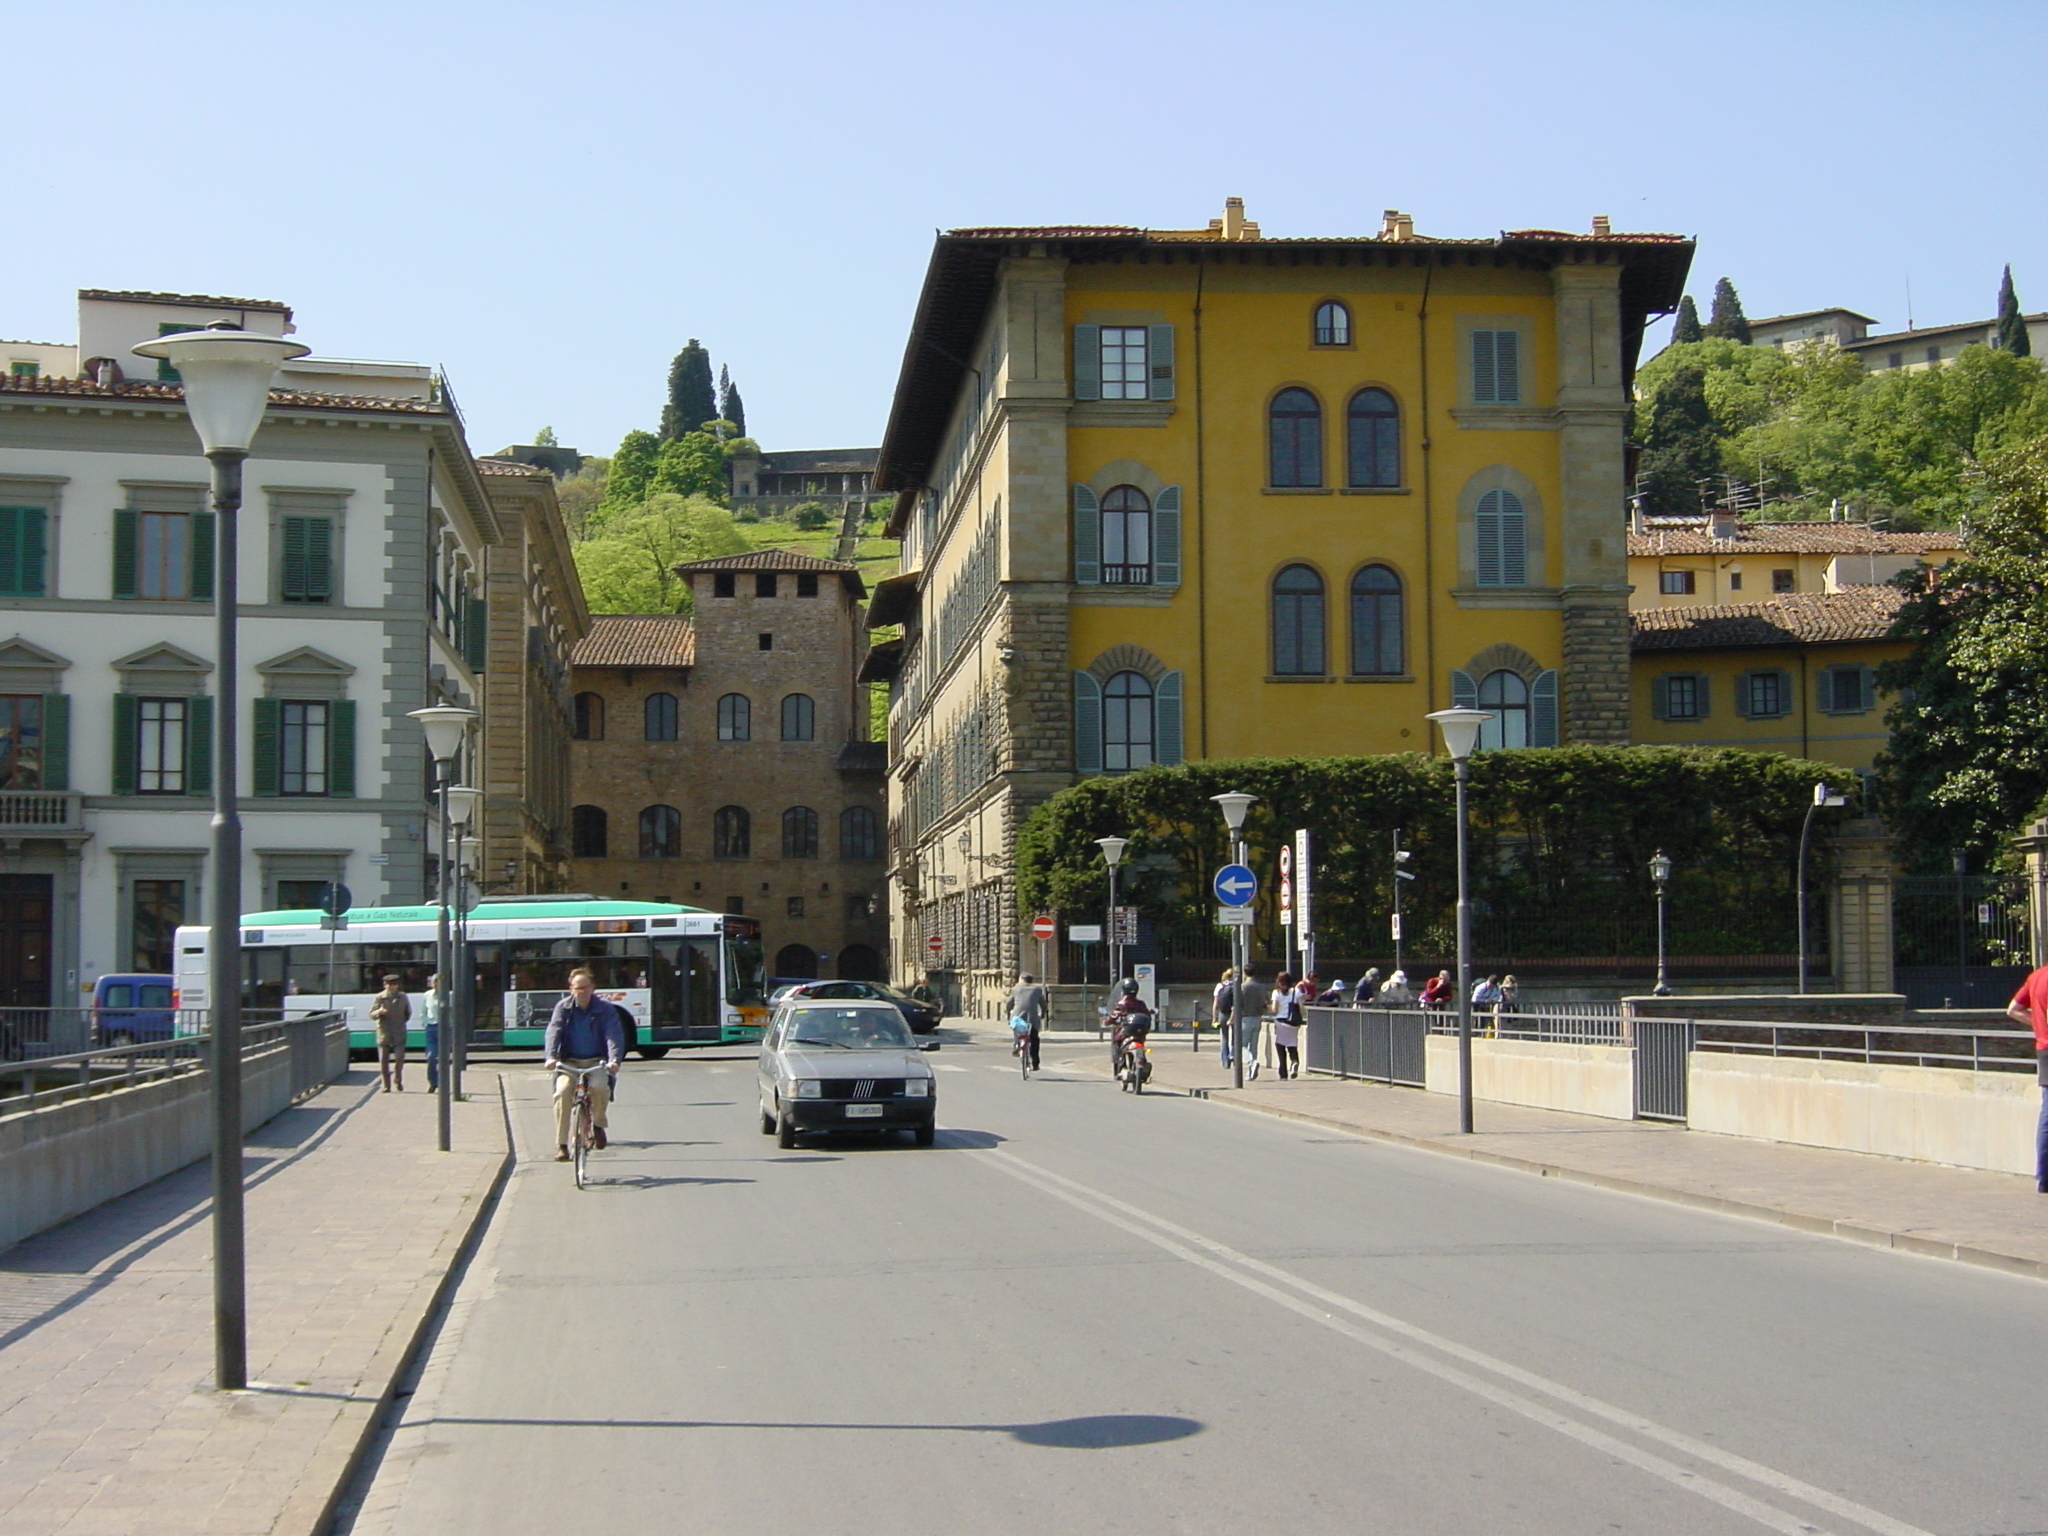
[42, 1082]
[1379, 1045]
[1560, 1028]
[1968, 1050]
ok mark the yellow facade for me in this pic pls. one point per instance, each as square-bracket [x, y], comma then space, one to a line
[1808, 727]
[1756, 561]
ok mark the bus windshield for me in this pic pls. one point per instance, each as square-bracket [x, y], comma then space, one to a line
[743, 964]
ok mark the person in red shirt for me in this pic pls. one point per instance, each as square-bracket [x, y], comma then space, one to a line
[2029, 1006]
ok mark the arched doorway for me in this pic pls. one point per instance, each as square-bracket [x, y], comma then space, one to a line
[796, 962]
[859, 962]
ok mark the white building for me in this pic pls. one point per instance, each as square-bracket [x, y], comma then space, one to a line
[361, 563]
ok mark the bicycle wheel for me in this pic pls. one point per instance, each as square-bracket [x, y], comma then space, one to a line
[582, 1143]
[1023, 1057]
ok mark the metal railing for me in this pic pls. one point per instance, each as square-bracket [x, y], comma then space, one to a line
[43, 1082]
[1560, 1028]
[32, 1032]
[1379, 1045]
[1968, 1050]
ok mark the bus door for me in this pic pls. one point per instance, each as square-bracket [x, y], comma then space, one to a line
[263, 984]
[685, 1002]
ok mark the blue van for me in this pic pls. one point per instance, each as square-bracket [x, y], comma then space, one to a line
[128, 1010]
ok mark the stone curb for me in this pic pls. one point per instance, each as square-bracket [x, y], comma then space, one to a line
[394, 1359]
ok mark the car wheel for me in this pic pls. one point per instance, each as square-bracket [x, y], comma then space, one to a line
[926, 1135]
[785, 1130]
[652, 1052]
[119, 1037]
[767, 1123]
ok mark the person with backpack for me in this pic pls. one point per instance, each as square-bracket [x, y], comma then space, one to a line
[1220, 1011]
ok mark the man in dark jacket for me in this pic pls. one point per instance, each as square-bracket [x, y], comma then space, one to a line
[583, 1030]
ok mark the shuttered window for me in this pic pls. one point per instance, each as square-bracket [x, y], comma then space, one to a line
[1502, 541]
[160, 727]
[1126, 374]
[1763, 695]
[1496, 367]
[1506, 695]
[22, 551]
[1847, 690]
[302, 747]
[1680, 696]
[1127, 723]
[307, 568]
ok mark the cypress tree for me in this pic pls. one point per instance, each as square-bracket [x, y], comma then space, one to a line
[2009, 332]
[730, 407]
[1687, 326]
[1681, 445]
[691, 401]
[1726, 318]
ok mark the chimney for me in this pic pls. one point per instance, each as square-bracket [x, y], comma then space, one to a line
[1601, 228]
[1396, 225]
[1723, 524]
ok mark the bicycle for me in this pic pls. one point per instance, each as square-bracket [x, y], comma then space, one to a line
[580, 1138]
[1020, 1046]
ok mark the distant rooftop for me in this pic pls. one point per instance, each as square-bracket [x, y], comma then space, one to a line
[1791, 618]
[636, 640]
[150, 389]
[1790, 539]
[191, 300]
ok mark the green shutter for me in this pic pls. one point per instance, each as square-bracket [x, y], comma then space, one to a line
[1167, 733]
[1087, 362]
[292, 574]
[199, 581]
[1166, 538]
[319, 574]
[1159, 361]
[263, 747]
[1660, 697]
[1703, 696]
[21, 551]
[124, 743]
[165, 373]
[341, 748]
[126, 527]
[1087, 537]
[1087, 723]
[1464, 690]
[56, 741]
[199, 746]
[476, 632]
[1868, 678]
[1543, 709]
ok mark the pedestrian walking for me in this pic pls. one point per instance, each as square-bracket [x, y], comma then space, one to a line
[1220, 1013]
[1249, 1018]
[1028, 1001]
[2029, 1006]
[430, 1017]
[391, 1012]
[1396, 993]
[1285, 1024]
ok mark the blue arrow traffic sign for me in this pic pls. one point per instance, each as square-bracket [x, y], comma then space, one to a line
[1236, 885]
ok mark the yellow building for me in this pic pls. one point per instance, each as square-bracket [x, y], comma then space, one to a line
[1181, 494]
[1794, 673]
[1703, 562]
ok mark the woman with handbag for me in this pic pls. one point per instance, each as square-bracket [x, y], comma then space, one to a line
[1286, 1026]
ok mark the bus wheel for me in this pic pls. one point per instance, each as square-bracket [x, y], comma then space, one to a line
[652, 1052]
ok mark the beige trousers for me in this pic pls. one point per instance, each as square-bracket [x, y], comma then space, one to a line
[565, 1099]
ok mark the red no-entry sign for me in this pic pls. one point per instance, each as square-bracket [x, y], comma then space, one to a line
[936, 944]
[1044, 927]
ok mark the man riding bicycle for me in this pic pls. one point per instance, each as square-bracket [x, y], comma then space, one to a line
[583, 1031]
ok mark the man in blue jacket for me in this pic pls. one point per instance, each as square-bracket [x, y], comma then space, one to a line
[583, 1030]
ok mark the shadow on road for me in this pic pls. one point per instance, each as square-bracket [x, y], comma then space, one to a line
[1094, 1432]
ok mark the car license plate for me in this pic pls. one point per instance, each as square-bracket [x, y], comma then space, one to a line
[863, 1111]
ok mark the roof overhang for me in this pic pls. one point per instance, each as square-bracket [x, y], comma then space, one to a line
[895, 599]
[882, 663]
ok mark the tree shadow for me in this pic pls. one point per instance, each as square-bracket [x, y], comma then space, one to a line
[1092, 1432]
[649, 1181]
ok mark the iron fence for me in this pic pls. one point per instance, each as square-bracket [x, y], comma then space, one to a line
[1960, 940]
[1968, 1050]
[1379, 1045]
[43, 1081]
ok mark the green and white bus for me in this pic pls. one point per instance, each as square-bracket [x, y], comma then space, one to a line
[685, 976]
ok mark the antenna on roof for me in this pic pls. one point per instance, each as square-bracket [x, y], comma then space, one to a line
[1909, 298]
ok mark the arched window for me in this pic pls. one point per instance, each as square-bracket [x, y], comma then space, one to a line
[735, 718]
[661, 832]
[1376, 623]
[1127, 723]
[1502, 541]
[589, 717]
[732, 832]
[858, 962]
[1506, 696]
[1298, 622]
[660, 714]
[587, 836]
[1373, 436]
[797, 962]
[799, 717]
[1295, 439]
[1126, 536]
[859, 834]
[1333, 324]
[799, 833]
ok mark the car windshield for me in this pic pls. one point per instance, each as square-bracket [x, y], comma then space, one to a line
[849, 1029]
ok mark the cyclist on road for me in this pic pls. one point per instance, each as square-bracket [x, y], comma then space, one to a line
[1028, 1002]
[583, 1030]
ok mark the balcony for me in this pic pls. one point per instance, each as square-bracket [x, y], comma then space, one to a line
[41, 813]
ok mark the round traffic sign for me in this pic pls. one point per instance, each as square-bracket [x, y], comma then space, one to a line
[1044, 927]
[936, 944]
[1235, 885]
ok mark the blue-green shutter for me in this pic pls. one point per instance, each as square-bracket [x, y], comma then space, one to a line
[1496, 367]
[1168, 734]
[1166, 538]
[476, 632]
[1159, 361]
[263, 747]
[165, 373]
[1703, 695]
[341, 748]
[199, 584]
[1660, 697]
[292, 563]
[124, 743]
[1087, 723]
[1742, 694]
[1543, 709]
[56, 741]
[1868, 676]
[1087, 537]
[199, 746]
[1087, 362]
[319, 559]
[21, 551]
[126, 530]
[1464, 690]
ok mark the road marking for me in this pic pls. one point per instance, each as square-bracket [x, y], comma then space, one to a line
[946, 1067]
[1265, 1279]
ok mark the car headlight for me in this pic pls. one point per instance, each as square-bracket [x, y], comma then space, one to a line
[918, 1088]
[807, 1088]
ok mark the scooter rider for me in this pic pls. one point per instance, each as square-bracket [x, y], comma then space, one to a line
[1129, 1019]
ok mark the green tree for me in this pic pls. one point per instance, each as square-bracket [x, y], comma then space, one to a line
[691, 399]
[629, 566]
[1726, 318]
[581, 494]
[691, 465]
[545, 437]
[812, 515]
[1967, 764]
[632, 471]
[1681, 444]
[730, 406]
[1687, 326]
[2009, 333]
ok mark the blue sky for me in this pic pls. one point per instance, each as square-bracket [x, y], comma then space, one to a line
[547, 200]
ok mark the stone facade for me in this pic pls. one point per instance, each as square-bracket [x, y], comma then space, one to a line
[772, 629]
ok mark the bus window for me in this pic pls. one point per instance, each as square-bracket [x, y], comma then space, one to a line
[743, 959]
[309, 972]
[263, 981]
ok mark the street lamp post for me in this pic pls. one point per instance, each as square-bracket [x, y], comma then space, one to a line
[1460, 728]
[226, 373]
[1113, 855]
[1234, 805]
[1822, 796]
[447, 727]
[1660, 874]
[459, 983]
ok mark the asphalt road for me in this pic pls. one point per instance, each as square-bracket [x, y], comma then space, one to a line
[1087, 1312]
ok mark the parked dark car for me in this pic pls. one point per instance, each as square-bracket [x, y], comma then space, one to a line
[922, 1018]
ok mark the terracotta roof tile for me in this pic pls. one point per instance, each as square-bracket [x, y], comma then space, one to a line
[150, 389]
[1791, 539]
[187, 300]
[1792, 618]
[513, 468]
[636, 640]
[770, 560]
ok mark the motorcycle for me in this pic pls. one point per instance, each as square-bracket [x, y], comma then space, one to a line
[1134, 1064]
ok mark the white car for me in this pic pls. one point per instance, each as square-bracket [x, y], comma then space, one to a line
[845, 1066]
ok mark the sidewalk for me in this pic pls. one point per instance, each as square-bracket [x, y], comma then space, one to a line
[1993, 1219]
[108, 1425]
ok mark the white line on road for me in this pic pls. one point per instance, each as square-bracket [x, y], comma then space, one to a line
[1265, 1279]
